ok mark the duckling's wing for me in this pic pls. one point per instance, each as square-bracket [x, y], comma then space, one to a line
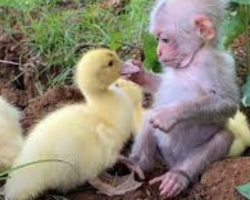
[239, 127]
[106, 133]
[237, 148]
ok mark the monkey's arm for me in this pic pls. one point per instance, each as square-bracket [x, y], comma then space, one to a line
[210, 108]
[149, 81]
[215, 106]
[221, 97]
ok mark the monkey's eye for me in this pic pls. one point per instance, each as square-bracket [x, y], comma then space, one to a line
[111, 63]
[165, 40]
[157, 39]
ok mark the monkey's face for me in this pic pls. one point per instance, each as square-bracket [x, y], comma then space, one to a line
[180, 33]
[167, 51]
[172, 50]
[178, 43]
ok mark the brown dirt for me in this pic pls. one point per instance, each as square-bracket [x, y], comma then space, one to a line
[13, 95]
[221, 178]
[16, 66]
[240, 56]
[9, 51]
[217, 183]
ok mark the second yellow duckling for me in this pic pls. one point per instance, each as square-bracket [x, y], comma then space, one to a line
[238, 125]
[240, 129]
[10, 132]
[135, 94]
[87, 136]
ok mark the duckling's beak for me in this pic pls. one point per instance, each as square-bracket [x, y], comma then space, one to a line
[128, 69]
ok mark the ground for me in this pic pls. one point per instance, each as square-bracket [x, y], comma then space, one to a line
[25, 85]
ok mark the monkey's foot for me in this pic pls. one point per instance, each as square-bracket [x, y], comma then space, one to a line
[131, 166]
[172, 183]
[111, 186]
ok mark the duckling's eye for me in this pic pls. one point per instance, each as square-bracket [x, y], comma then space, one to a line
[117, 85]
[111, 63]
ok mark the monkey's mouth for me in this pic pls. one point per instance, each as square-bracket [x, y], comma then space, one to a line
[170, 62]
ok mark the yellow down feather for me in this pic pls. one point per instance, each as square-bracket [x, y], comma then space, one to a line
[11, 140]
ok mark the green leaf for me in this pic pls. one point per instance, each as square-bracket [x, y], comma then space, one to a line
[114, 43]
[151, 60]
[244, 2]
[234, 26]
[244, 190]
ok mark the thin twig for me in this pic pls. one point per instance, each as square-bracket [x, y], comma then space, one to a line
[130, 45]
[9, 62]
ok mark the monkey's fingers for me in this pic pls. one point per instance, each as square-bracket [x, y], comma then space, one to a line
[169, 186]
[164, 127]
[129, 68]
[156, 180]
[158, 126]
[173, 183]
[174, 191]
[137, 63]
[167, 182]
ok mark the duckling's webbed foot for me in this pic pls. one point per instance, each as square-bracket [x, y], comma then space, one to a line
[134, 168]
[113, 185]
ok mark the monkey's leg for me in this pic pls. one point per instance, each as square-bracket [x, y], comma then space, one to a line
[145, 148]
[180, 176]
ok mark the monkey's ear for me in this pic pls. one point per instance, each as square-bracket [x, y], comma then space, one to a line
[203, 27]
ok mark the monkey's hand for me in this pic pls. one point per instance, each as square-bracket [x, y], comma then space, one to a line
[133, 70]
[164, 118]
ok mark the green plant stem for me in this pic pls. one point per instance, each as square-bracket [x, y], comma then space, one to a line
[247, 38]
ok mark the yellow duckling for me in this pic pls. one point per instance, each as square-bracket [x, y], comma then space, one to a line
[11, 134]
[237, 125]
[135, 94]
[87, 136]
[240, 129]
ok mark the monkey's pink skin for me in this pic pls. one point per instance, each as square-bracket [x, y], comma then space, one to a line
[172, 183]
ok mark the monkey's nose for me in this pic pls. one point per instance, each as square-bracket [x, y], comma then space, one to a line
[159, 54]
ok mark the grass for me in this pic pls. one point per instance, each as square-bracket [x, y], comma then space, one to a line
[58, 35]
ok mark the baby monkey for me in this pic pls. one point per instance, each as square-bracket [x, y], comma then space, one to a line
[195, 94]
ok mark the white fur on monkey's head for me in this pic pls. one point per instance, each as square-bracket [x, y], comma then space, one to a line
[182, 9]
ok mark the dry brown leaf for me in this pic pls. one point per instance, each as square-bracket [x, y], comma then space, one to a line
[115, 185]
